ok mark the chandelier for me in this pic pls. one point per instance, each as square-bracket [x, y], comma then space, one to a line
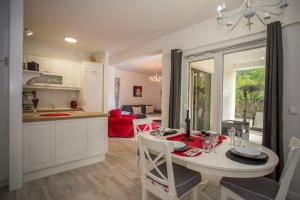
[262, 10]
[155, 78]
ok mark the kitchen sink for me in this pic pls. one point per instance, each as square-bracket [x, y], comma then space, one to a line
[55, 114]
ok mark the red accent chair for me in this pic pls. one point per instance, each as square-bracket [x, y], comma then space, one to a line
[120, 125]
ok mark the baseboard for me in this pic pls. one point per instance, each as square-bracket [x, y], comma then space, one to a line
[61, 168]
[293, 196]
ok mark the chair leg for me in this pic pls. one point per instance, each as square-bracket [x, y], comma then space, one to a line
[137, 166]
[145, 193]
[201, 187]
[226, 193]
[195, 193]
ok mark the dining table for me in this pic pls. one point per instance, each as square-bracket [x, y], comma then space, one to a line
[218, 164]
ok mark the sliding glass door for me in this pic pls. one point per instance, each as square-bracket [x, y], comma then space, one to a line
[243, 92]
[200, 93]
[225, 88]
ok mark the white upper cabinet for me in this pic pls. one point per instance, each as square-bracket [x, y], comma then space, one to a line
[68, 70]
[49, 65]
[73, 74]
[92, 92]
[93, 67]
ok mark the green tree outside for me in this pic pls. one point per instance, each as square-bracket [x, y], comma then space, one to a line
[250, 77]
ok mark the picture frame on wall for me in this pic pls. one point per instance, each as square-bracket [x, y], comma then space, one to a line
[137, 91]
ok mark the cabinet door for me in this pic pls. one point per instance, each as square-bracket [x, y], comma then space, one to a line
[93, 67]
[49, 65]
[97, 136]
[38, 145]
[93, 92]
[73, 74]
[71, 140]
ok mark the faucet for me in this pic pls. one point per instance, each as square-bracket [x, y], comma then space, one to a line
[52, 105]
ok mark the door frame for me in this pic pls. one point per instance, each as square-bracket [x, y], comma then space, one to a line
[15, 94]
[217, 81]
[191, 100]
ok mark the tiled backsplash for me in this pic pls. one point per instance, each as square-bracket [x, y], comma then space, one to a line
[59, 98]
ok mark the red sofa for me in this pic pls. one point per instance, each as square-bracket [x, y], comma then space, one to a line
[121, 125]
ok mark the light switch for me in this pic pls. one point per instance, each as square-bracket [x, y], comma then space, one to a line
[293, 110]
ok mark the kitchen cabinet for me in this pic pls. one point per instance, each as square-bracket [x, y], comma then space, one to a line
[48, 65]
[97, 136]
[68, 71]
[38, 145]
[73, 74]
[92, 67]
[92, 92]
[71, 140]
[55, 146]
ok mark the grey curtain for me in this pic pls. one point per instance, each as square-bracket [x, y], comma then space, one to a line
[175, 88]
[272, 135]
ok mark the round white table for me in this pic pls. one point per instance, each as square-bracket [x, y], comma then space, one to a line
[216, 163]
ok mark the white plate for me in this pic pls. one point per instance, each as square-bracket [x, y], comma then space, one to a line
[248, 151]
[178, 145]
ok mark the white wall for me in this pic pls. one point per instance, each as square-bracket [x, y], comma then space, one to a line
[151, 91]
[291, 93]
[15, 94]
[206, 35]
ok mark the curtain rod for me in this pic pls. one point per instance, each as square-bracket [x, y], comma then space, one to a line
[258, 41]
[244, 44]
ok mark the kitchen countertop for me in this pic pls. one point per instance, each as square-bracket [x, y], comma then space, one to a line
[28, 117]
[52, 110]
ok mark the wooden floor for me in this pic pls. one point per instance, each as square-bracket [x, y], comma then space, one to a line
[113, 179]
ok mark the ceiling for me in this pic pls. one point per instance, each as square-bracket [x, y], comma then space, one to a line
[114, 25]
[149, 64]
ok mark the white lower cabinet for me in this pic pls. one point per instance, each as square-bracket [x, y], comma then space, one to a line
[54, 146]
[71, 140]
[38, 145]
[97, 136]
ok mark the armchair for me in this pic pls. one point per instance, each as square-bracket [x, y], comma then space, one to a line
[120, 125]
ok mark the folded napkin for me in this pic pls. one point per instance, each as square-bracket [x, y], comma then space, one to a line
[170, 132]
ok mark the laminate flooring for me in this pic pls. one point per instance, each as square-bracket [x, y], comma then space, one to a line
[113, 179]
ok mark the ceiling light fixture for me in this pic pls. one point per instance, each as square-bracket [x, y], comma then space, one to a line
[261, 10]
[155, 78]
[28, 32]
[70, 40]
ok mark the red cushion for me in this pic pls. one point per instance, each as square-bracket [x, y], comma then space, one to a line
[115, 113]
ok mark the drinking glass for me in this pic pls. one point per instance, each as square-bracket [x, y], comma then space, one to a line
[182, 127]
[231, 134]
[214, 140]
[206, 144]
[238, 139]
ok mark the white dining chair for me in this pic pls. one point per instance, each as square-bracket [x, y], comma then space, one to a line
[263, 188]
[146, 122]
[138, 129]
[168, 181]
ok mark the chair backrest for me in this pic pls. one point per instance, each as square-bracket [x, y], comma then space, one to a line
[258, 121]
[142, 125]
[163, 150]
[289, 168]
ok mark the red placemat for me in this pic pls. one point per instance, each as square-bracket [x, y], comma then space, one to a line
[196, 143]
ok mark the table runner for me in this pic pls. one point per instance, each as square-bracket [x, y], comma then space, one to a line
[196, 143]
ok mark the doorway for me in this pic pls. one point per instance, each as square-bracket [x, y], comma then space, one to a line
[200, 93]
